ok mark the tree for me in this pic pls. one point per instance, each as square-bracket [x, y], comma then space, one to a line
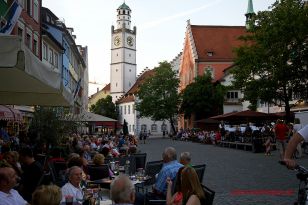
[202, 97]
[272, 63]
[105, 107]
[158, 95]
[50, 125]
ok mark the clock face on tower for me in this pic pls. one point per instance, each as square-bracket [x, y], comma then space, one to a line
[130, 41]
[116, 41]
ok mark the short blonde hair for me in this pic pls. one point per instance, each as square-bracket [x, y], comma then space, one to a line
[47, 195]
[98, 159]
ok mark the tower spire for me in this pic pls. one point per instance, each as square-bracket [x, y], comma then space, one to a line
[250, 7]
[249, 14]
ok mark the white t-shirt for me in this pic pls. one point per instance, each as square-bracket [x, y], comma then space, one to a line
[297, 127]
[69, 189]
[13, 198]
[304, 132]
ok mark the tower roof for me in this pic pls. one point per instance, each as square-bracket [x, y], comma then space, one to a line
[124, 6]
[250, 7]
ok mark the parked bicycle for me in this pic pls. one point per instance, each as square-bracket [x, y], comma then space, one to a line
[302, 175]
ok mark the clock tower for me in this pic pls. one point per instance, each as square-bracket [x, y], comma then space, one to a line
[123, 54]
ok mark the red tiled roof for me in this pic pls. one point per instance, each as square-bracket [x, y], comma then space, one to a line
[129, 96]
[126, 99]
[217, 39]
[134, 89]
[107, 87]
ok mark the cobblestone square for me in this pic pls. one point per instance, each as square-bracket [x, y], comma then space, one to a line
[237, 176]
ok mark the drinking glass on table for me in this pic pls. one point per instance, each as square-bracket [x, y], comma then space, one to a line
[69, 200]
[140, 174]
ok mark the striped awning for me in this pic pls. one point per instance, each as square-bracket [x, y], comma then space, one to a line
[10, 114]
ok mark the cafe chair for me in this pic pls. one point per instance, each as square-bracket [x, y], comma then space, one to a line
[151, 169]
[57, 172]
[209, 195]
[98, 172]
[200, 171]
[140, 160]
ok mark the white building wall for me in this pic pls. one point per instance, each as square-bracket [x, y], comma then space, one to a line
[232, 108]
[150, 126]
[127, 112]
[302, 116]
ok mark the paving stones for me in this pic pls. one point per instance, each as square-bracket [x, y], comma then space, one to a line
[261, 178]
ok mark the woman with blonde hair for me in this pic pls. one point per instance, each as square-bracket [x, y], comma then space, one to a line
[98, 159]
[191, 187]
[47, 195]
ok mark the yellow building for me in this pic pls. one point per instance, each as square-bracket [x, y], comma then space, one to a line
[99, 95]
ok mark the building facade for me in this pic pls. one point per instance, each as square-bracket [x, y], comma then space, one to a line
[60, 51]
[123, 54]
[136, 124]
[206, 48]
[103, 93]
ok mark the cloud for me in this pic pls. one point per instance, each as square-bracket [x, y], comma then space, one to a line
[157, 22]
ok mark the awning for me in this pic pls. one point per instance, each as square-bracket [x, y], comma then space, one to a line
[10, 114]
[25, 80]
[92, 117]
[110, 125]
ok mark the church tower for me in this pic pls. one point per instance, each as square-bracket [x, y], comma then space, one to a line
[249, 14]
[123, 54]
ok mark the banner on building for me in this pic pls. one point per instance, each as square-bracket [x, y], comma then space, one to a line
[10, 18]
[77, 88]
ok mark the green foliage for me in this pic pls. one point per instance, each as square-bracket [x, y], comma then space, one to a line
[272, 64]
[202, 97]
[49, 126]
[158, 96]
[105, 107]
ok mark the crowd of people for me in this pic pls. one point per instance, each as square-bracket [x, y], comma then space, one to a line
[269, 133]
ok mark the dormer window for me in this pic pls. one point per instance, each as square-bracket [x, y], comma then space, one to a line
[210, 53]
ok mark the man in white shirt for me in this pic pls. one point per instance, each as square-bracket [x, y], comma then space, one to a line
[297, 138]
[72, 187]
[8, 195]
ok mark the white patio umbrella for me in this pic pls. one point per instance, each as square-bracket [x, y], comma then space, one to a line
[25, 80]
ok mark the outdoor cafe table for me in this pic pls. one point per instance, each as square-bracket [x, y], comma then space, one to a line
[105, 198]
[105, 183]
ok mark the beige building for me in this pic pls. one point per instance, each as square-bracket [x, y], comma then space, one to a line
[99, 95]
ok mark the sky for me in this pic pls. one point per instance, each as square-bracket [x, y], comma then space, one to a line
[161, 26]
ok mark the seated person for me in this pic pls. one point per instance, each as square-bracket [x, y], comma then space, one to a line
[185, 158]
[177, 197]
[169, 169]
[32, 172]
[47, 195]
[11, 158]
[99, 160]
[72, 187]
[8, 195]
[191, 188]
[122, 190]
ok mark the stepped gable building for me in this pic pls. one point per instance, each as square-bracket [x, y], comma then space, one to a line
[206, 48]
